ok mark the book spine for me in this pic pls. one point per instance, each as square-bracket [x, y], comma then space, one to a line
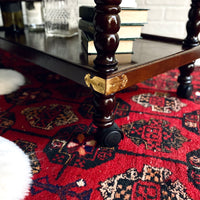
[86, 13]
[86, 39]
[132, 24]
[86, 26]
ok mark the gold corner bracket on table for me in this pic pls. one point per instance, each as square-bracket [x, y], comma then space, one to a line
[106, 86]
[96, 83]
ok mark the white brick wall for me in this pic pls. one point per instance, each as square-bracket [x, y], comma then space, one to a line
[166, 17]
[124, 2]
[86, 2]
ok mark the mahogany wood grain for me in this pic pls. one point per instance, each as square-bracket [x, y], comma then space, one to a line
[107, 24]
[185, 87]
[193, 25]
[65, 57]
[104, 106]
[106, 40]
[152, 56]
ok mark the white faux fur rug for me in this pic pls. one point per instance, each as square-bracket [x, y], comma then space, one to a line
[15, 171]
[10, 81]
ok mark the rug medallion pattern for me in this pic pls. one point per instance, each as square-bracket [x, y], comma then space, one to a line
[50, 118]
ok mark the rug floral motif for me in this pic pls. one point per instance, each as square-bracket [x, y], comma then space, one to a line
[50, 118]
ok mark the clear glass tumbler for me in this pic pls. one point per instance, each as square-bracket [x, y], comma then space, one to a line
[34, 16]
[60, 17]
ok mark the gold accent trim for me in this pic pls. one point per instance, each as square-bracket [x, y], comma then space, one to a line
[96, 83]
[116, 84]
[106, 86]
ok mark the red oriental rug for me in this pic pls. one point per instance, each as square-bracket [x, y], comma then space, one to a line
[50, 118]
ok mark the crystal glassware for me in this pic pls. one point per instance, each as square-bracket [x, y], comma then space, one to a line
[60, 17]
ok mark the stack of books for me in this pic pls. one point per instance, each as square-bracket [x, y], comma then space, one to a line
[132, 21]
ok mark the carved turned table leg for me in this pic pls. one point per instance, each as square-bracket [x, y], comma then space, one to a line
[107, 23]
[108, 133]
[193, 28]
[185, 79]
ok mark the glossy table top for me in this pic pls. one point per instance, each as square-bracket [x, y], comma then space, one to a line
[66, 56]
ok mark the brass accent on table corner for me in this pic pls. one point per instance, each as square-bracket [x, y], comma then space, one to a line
[96, 83]
[116, 84]
[106, 86]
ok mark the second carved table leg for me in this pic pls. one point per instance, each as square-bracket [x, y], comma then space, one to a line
[106, 23]
[108, 133]
[193, 28]
[185, 79]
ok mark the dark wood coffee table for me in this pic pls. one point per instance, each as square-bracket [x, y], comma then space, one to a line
[106, 76]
